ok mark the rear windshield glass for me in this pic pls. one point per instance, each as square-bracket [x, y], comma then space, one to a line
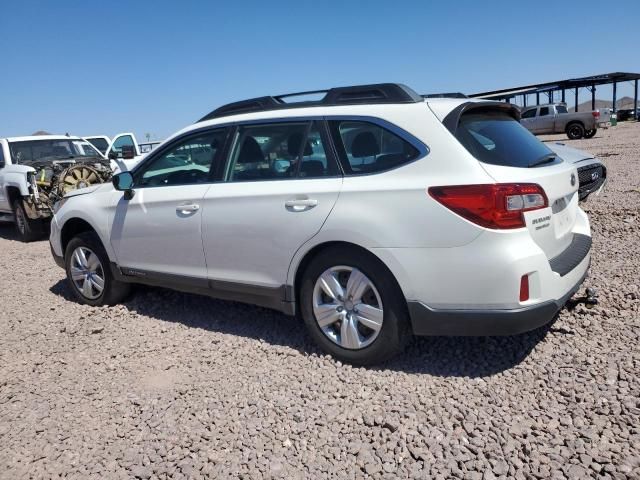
[498, 139]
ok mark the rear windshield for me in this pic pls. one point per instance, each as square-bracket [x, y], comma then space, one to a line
[498, 139]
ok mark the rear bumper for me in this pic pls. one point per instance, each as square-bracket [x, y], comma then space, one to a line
[429, 321]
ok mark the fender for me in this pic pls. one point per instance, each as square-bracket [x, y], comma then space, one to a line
[16, 176]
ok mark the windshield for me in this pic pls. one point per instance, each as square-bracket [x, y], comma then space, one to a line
[498, 139]
[32, 150]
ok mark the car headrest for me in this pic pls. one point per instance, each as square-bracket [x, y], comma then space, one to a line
[312, 168]
[293, 145]
[365, 145]
[250, 151]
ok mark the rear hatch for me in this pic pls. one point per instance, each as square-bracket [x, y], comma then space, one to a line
[511, 154]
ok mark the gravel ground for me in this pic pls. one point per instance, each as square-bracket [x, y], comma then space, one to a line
[172, 385]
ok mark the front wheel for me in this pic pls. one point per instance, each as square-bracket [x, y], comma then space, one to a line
[89, 274]
[352, 307]
[590, 133]
[575, 131]
[28, 230]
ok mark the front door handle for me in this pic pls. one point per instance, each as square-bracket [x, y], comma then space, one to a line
[188, 208]
[300, 204]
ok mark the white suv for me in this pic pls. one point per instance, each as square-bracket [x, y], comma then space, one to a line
[372, 213]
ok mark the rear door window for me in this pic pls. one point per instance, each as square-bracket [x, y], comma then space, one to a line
[279, 151]
[543, 111]
[529, 113]
[561, 109]
[365, 147]
[498, 139]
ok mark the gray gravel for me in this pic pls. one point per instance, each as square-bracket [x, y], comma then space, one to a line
[172, 385]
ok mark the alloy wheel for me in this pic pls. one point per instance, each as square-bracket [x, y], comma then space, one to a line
[87, 273]
[347, 307]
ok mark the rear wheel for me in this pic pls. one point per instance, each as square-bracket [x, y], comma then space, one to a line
[575, 131]
[89, 273]
[28, 230]
[352, 307]
[590, 133]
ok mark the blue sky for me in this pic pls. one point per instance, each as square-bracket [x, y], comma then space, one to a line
[102, 67]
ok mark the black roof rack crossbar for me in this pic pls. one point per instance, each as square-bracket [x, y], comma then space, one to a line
[380, 93]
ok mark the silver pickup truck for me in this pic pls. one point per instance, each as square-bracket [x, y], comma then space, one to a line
[554, 118]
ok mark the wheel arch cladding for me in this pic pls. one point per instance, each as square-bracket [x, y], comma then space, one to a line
[72, 228]
[317, 249]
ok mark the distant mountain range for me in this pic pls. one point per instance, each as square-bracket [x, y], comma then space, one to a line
[622, 103]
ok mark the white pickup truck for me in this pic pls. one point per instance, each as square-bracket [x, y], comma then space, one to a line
[37, 171]
[124, 149]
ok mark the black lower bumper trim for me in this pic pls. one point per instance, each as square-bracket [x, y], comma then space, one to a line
[57, 258]
[571, 257]
[478, 323]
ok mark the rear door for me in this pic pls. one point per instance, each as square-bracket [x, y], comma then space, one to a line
[545, 120]
[510, 154]
[280, 185]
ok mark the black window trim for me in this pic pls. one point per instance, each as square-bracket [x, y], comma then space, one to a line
[421, 147]
[323, 124]
[214, 174]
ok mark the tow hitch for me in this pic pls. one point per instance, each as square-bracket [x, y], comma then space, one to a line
[588, 300]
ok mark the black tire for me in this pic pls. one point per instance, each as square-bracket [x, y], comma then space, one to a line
[114, 291]
[575, 131]
[590, 133]
[395, 330]
[27, 229]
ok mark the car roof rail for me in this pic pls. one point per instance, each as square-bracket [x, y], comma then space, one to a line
[445, 95]
[379, 93]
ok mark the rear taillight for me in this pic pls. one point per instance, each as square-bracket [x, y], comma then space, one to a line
[595, 114]
[497, 206]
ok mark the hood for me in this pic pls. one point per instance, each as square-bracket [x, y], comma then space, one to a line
[90, 189]
[569, 154]
[63, 162]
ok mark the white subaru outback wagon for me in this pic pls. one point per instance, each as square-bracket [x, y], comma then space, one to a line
[372, 212]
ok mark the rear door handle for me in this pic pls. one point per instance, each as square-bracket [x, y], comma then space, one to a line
[188, 208]
[300, 204]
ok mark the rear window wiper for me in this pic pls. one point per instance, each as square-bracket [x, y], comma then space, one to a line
[548, 158]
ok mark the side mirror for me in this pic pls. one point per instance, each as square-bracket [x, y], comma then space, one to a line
[128, 152]
[113, 155]
[123, 182]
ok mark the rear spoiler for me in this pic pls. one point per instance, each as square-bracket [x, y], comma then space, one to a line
[453, 118]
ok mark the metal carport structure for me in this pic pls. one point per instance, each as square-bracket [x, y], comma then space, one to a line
[562, 86]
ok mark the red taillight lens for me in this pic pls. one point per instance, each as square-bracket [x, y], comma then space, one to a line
[596, 114]
[524, 288]
[497, 206]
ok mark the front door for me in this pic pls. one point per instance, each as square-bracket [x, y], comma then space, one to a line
[281, 183]
[159, 231]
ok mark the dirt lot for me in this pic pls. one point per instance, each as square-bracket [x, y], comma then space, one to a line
[178, 386]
